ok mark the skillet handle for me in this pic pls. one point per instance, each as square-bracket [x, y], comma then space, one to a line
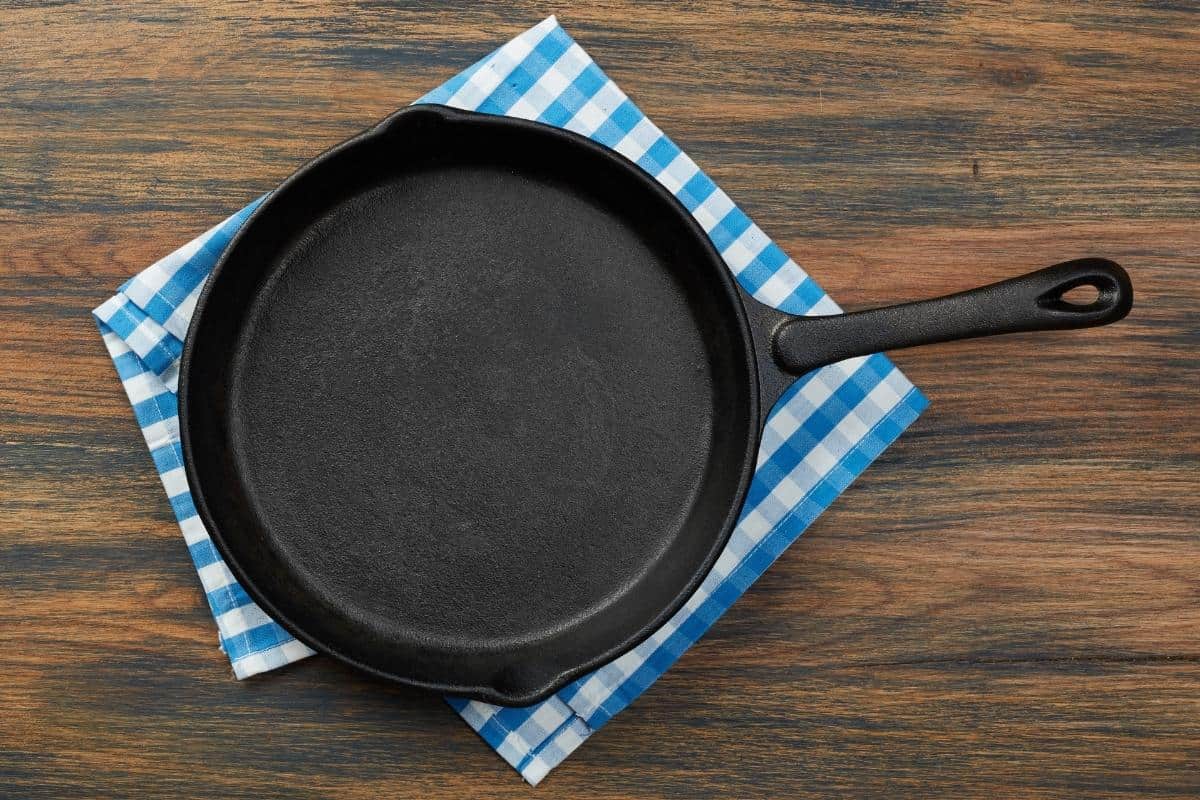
[1032, 302]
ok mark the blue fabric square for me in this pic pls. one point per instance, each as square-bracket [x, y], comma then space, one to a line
[536, 738]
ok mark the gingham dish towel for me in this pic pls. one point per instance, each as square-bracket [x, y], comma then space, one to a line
[825, 431]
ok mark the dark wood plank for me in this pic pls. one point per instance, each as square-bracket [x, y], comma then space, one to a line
[1007, 603]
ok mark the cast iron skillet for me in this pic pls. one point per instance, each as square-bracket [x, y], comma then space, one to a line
[472, 403]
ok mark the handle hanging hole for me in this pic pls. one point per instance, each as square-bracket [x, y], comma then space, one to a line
[1087, 294]
[1082, 295]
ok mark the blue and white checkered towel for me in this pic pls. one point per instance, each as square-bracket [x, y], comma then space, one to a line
[825, 431]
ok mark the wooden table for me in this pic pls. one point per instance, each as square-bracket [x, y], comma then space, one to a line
[1007, 604]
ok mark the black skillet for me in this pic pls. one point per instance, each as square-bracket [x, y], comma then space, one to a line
[472, 403]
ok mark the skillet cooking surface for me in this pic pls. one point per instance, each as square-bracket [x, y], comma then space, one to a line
[469, 405]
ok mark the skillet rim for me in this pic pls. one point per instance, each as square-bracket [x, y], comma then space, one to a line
[752, 347]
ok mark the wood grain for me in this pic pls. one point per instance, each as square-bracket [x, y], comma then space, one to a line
[1007, 603]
